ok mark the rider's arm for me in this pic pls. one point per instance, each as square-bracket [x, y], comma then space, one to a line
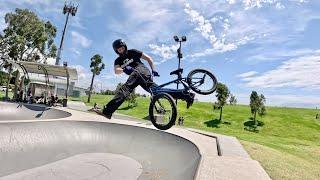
[150, 61]
[118, 69]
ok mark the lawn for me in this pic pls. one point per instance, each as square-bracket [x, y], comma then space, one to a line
[287, 145]
[3, 94]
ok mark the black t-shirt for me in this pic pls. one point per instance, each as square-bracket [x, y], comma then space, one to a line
[132, 58]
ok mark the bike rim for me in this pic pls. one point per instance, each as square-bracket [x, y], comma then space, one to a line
[202, 82]
[162, 111]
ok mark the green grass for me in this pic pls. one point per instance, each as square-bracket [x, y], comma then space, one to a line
[287, 146]
[3, 94]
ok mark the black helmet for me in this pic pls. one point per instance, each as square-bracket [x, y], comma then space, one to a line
[117, 44]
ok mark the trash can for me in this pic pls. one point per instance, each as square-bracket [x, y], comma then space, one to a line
[64, 102]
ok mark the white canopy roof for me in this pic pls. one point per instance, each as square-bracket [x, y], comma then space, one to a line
[39, 68]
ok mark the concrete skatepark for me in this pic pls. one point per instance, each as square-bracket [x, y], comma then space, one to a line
[61, 143]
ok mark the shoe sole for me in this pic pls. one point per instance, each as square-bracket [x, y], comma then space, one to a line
[100, 113]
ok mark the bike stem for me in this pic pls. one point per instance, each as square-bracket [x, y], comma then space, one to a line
[179, 57]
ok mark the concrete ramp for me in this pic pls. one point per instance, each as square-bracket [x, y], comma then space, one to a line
[14, 111]
[33, 149]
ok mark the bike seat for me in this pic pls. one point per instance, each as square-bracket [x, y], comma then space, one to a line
[178, 71]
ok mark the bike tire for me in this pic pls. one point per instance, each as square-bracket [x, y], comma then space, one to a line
[155, 99]
[199, 91]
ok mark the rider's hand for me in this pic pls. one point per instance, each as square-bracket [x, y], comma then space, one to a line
[128, 70]
[155, 73]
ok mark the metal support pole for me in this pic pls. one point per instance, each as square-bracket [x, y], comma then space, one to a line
[61, 42]
[67, 9]
[47, 81]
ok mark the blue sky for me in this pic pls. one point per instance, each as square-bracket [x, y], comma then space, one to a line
[271, 46]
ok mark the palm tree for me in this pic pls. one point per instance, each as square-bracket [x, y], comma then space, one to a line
[96, 66]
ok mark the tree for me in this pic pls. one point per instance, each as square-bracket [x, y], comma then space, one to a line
[7, 66]
[131, 99]
[3, 78]
[262, 110]
[232, 99]
[27, 38]
[222, 94]
[257, 105]
[119, 85]
[96, 66]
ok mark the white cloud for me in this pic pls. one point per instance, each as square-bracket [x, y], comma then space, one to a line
[48, 6]
[76, 22]
[75, 51]
[84, 76]
[284, 100]
[219, 41]
[51, 61]
[251, 4]
[299, 72]
[80, 39]
[147, 21]
[247, 74]
[164, 51]
[103, 81]
[279, 55]
[2, 23]
[279, 6]
[3, 11]
[248, 4]
[231, 1]
[203, 25]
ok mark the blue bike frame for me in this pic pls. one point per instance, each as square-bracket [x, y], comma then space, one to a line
[160, 88]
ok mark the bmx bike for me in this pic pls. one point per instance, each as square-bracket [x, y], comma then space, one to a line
[163, 109]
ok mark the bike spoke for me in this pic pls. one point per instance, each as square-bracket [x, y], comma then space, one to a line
[162, 111]
[202, 82]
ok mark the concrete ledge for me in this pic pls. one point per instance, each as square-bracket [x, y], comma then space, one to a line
[228, 146]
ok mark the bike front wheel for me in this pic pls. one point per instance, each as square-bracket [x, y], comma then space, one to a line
[202, 81]
[162, 111]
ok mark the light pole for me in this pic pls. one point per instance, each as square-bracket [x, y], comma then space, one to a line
[67, 9]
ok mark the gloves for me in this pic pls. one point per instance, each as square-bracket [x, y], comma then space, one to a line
[155, 73]
[128, 70]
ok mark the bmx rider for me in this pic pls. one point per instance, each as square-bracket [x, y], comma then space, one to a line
[129, 62]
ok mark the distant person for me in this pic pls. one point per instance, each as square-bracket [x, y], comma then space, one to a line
[95, 106]
[29, 95]
[180, 121]
[52, 100]
[21, 96]
[18, 95]
[56, 99]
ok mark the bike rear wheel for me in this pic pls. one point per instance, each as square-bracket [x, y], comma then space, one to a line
[162, 111]
[202, 81]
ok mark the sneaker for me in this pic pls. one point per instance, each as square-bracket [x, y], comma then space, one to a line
[105, 113]
[190, 100]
